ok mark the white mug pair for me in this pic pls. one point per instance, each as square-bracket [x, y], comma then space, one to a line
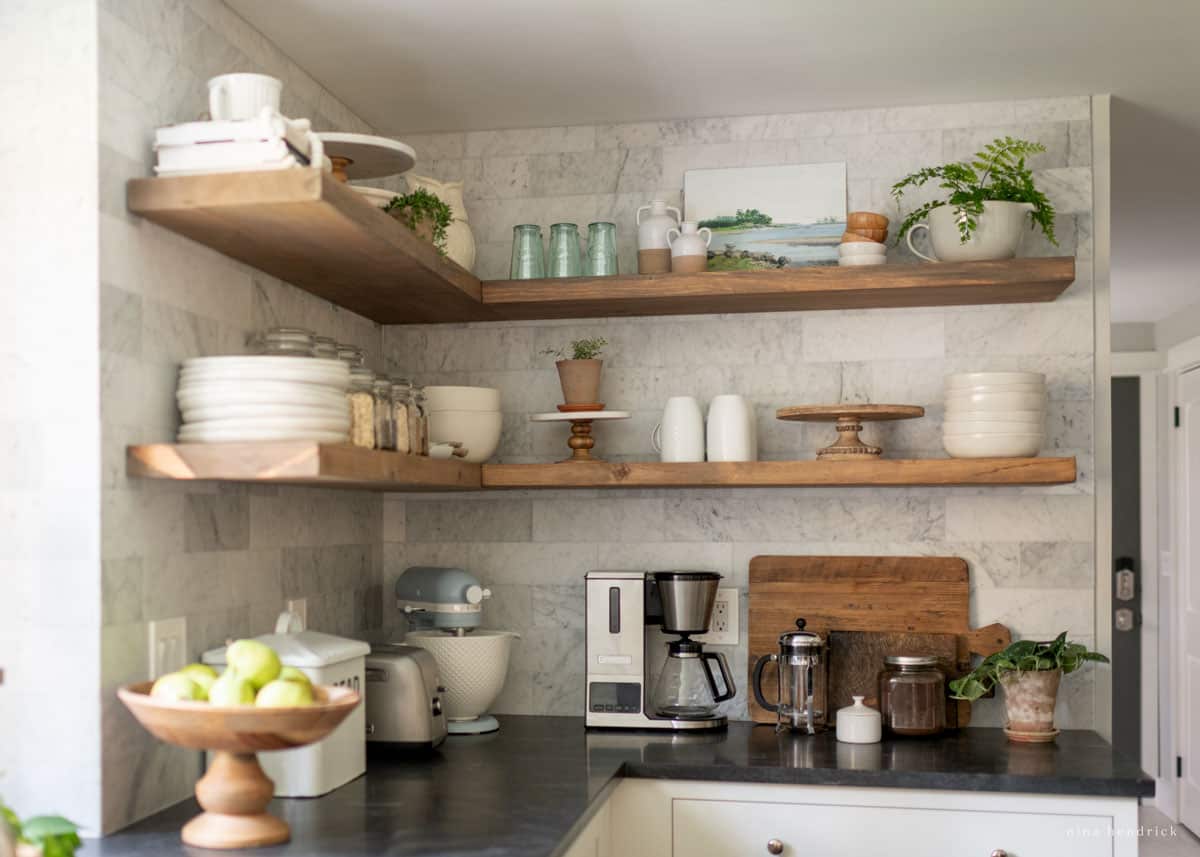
[730, 434]
[243, 96]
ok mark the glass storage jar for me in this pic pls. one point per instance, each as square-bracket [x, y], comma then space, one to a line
[325, 348]
[351, 355]
[385, 434]
[912, 695]
[285, 342]
[361, 395]
[401, 396]
[418, 438]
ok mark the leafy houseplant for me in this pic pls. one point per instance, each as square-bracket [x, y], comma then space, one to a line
[580, 374]
[424, 213]
[1029, 671]
[46, 835]
[996, 174]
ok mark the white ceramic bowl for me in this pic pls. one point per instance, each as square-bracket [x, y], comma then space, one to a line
[478, 431]
[996, 388]
[964, 415]
[471, 667]
[957, 427]
[992, 445]
[856, 261]
[862, 248]
[1020, 401]
[462, 398]
[992, 379]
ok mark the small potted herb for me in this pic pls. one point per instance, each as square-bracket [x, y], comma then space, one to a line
[580, 375]
[425, 214]
[1029, 672]
[990, 198]
[40, 836]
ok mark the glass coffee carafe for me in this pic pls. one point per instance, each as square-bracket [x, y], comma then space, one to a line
[688, 689]
[801, 681]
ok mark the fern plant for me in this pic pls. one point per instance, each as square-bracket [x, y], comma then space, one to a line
[1023, 656]
[423, 206]
[581, 349]
[996, 174]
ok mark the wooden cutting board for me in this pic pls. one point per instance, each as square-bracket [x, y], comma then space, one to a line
[924, 597]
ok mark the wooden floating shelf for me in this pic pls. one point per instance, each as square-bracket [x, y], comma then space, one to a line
[311, 231]
[300, 463]
[767, 474]
[810, 288]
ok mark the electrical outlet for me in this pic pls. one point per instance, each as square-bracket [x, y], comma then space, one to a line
[723, 631]
[168, 646]
[298, 607]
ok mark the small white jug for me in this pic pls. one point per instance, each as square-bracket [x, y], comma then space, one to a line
[732, 434]
[689, 247]
[680, 435]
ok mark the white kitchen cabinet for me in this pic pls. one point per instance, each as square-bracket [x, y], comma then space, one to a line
[595, 840]
[654, 818]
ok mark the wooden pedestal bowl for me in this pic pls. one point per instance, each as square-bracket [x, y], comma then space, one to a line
[234, 792]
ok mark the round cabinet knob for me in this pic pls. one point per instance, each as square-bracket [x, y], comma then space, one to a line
[774, 846]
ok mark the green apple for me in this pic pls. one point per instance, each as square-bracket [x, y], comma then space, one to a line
[294, 674]
[284, 694]
[201, 674]
[254, 661]
[177, 686]
[231, 689]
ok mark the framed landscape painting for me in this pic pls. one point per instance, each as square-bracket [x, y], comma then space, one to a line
[769, 217]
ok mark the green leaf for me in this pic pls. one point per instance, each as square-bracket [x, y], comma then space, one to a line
[41, 826]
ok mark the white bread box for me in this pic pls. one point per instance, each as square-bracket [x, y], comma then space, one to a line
[341, 757]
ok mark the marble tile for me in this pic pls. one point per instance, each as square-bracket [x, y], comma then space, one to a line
[121, 590]
[1020, 330]
[435, 147]
[921, 117]
[874, 335]
[120, 321]
[670, 133]
[961, 144]
[1020, 518]
[1055, 565]
[1080, 150]
[216, 522]
[1057, 109]
[536, 563]
[304, 571]
[504, 177]
[585, 520]
[739, 517]
[393, 520]
[530, 141]
[475, 521]
[1069, 188]
[1040, 613]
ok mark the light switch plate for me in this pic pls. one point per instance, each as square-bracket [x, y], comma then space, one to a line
[723, 631]
[298, 607]
[168, 646]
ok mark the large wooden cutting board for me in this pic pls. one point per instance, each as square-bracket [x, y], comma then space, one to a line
[922, 597]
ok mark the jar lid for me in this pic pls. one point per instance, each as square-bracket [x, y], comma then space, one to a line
[351, 354]
[361, 376]
[859, 710]
[911, 660]
[801, 639]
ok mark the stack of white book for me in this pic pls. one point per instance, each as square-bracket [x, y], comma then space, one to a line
[270, 141]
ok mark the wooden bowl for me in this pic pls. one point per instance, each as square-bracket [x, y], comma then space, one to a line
[866, 220]
[879, 235]
[849, 237]
[235, 792]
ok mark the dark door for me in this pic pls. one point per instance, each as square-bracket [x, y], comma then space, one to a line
[1127, 567]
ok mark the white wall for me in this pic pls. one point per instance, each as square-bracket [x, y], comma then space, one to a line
[49, 411]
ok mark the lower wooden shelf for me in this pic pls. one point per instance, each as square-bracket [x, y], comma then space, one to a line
[765, 474]
[343, 466]
[300, 463]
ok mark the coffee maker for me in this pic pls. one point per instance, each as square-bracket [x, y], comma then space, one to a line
[625, 610]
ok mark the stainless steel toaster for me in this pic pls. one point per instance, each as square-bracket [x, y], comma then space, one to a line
[404, 699]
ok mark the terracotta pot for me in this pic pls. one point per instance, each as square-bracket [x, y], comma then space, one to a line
[580, 380]
[1029, 700]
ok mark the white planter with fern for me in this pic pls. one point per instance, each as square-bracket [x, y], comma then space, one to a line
[997, 235]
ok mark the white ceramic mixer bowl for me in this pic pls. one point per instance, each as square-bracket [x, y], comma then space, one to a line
[472, 668]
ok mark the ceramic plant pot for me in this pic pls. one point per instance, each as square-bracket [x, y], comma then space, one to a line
[996, 237]
[460, 242]
[580, 380]
[1029, 700]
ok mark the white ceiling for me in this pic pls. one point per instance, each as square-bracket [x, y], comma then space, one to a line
[447, 65]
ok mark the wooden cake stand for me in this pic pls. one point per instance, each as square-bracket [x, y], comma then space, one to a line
[581, 440]
[365, 156]
[849, 418]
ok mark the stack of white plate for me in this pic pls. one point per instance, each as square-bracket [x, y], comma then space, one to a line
[994, 414]
[267, 397]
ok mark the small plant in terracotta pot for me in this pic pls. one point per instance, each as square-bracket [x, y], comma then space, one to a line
[1030, 672]
[579, 375]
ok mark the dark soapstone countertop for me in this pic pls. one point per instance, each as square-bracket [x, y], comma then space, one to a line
[527, 789]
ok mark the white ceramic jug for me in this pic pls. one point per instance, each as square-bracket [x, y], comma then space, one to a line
[680, 435]
[731, 429]
[654, 253]
[460, 242]
[689, 247]
[996, 237]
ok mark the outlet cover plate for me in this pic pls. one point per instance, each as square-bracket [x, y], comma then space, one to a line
[168, 646]
[724, 628]
[298, 607]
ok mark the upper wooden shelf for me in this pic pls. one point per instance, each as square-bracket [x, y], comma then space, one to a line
[300, 463]
[307, 229]
[811, 288]
[316, 233]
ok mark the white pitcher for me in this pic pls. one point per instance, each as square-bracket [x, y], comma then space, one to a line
[731, 429]
[460, 242]
[689, 248]
[680, 435]
[654, 253]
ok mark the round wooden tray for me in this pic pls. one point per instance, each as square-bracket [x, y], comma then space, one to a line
[849, 417]
[581, 440]
[234, 792]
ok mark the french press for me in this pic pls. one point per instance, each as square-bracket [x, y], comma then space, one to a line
[802, 681]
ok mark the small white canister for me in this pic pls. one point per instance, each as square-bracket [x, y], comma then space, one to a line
[859, 724]
[342, 756]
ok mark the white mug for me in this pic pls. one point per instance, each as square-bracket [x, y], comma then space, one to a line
[680, 435]
[242, 96]
[732, 434]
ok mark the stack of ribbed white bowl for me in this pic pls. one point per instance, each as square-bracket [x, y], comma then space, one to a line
[994, 414]
[467, 415]
[263, 397]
